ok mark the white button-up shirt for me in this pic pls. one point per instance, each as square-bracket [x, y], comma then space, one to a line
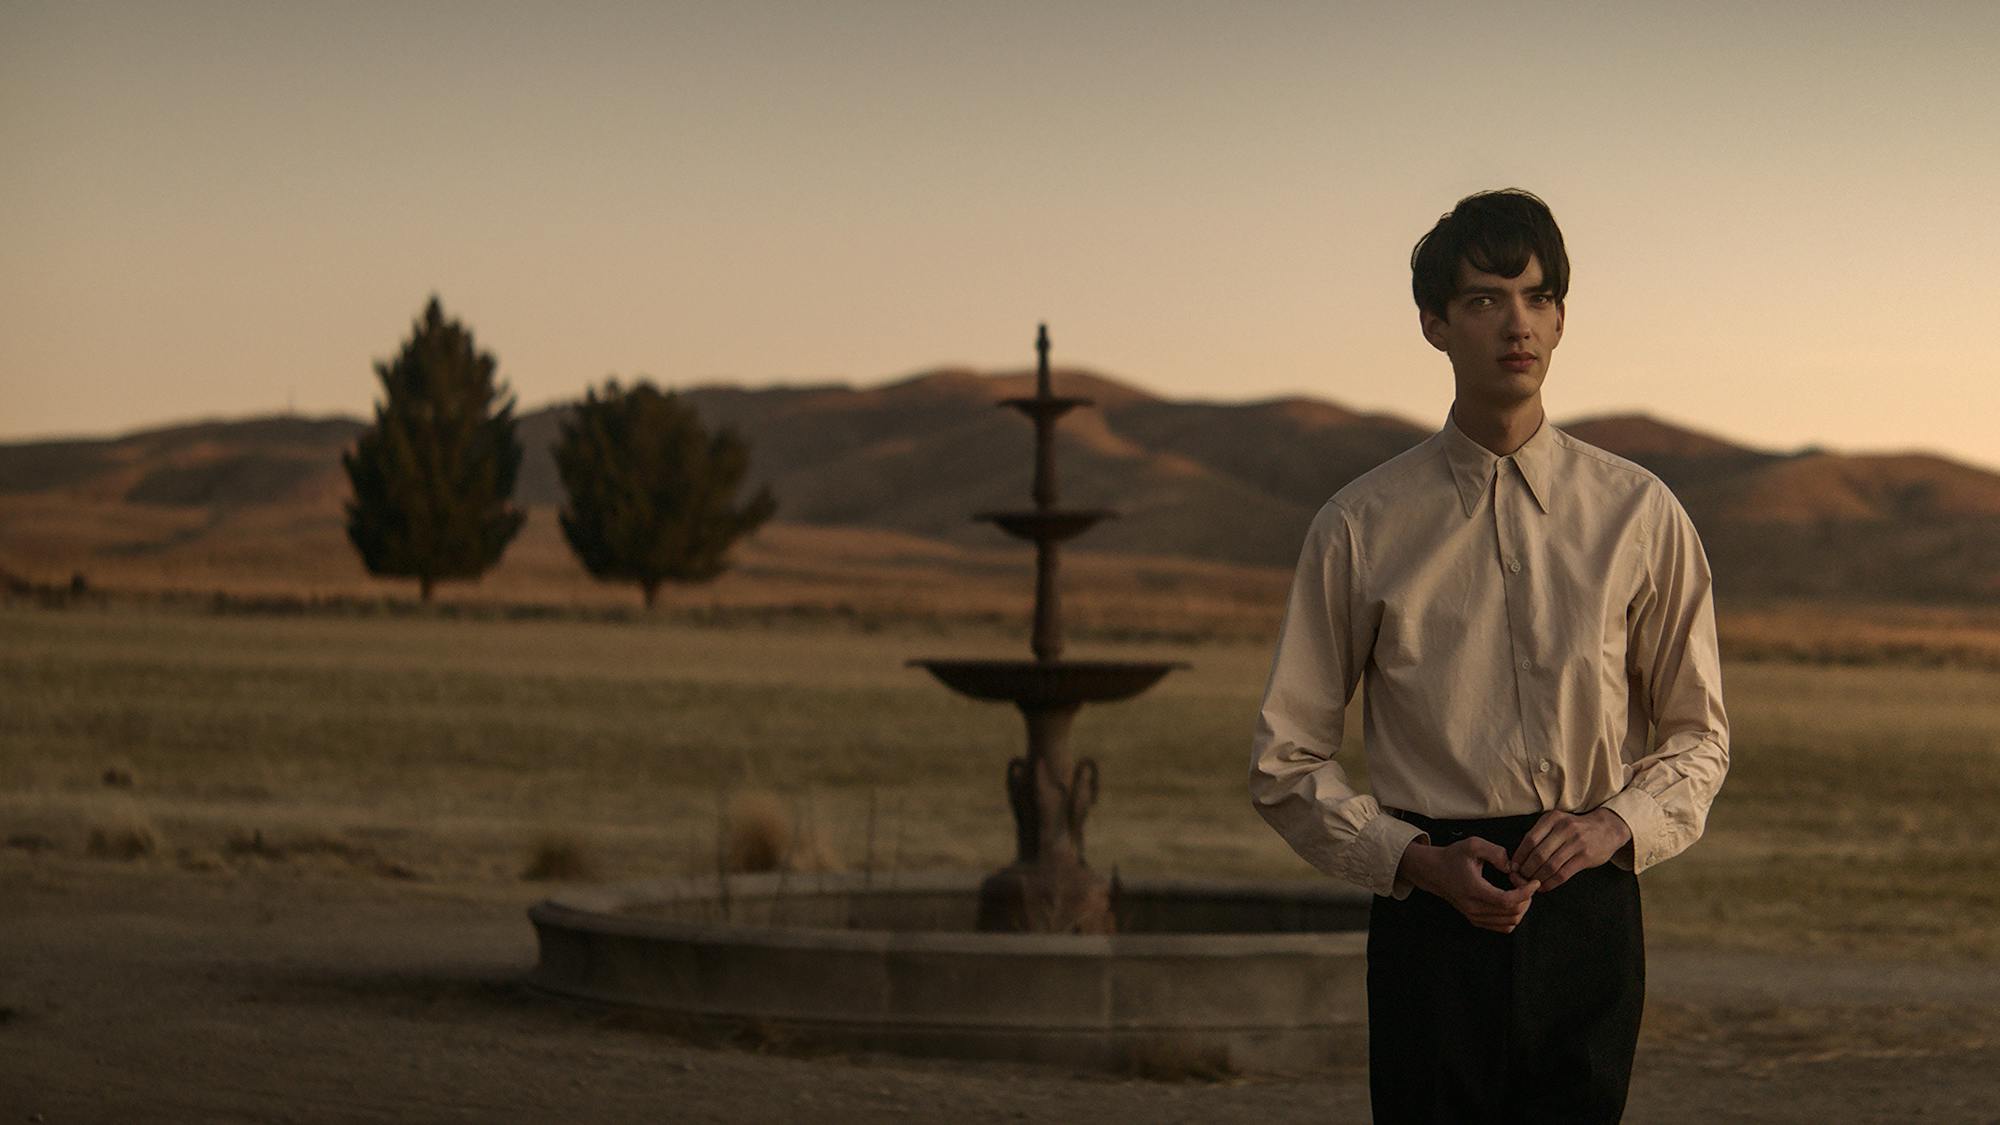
[1535, 631]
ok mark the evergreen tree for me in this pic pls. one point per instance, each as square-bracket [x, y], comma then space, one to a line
[434, 477]
[650, 491]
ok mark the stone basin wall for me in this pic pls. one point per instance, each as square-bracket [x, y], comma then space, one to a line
[1240, 976]
[939, 903]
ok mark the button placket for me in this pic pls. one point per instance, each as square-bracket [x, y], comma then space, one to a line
[1506, 540]
[1508, 536]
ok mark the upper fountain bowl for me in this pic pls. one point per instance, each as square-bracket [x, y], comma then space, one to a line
[1049, 683]
[1051, 526]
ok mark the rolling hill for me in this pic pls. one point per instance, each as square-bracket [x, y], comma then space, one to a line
[1228, 484]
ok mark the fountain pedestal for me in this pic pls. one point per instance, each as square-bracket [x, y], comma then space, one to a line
[1048, 888]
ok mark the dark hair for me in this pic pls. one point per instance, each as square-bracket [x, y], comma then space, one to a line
[1494, 232]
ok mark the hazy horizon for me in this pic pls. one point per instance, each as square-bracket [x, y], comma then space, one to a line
[227, 208]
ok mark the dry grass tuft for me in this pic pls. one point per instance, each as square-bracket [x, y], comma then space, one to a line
[762, 834]
[560, 858]
[758, 836]
[31, 842]
[122, 833]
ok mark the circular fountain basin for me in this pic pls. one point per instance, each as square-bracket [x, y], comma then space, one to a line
[1251, 977]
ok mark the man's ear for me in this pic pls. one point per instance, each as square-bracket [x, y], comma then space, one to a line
[1433, 327]
[1562, 313]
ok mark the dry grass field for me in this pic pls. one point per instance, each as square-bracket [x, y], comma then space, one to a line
[271, 863]
[449, 749]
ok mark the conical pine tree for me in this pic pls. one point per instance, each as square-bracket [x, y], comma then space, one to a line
[434, 476]
[650, 491]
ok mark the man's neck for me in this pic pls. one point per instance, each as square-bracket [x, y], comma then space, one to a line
[1500, 429]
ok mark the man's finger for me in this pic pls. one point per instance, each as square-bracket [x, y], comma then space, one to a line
[1499, 923]
[1543, 863]
[1483, 895]
[1559, 849]
[1489, 852]
[1542, 827]
[1575, 863]
[1571, 866]
[1520, 896]
[1535, 866]
[1530, 865]
[1484, 900]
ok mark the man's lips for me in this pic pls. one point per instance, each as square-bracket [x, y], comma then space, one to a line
[1518, 361]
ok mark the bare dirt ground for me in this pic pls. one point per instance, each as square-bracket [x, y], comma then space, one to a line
[144, 993]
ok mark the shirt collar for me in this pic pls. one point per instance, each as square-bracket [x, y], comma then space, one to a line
[1473, 465]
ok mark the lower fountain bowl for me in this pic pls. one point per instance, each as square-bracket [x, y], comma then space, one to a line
[1048, 683]
[1214, 976]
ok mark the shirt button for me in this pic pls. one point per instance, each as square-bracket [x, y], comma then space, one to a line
[1526, 665]
[1543, 766]
[1514, 565]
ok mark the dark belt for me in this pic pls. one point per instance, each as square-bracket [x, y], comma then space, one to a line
[1506, 831]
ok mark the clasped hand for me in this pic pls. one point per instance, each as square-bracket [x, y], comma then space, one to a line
[1556, 848]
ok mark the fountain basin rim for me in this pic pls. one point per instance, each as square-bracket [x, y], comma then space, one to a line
[609, 910]
[1264, 1000]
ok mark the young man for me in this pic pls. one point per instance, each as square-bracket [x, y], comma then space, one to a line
[1533, 620]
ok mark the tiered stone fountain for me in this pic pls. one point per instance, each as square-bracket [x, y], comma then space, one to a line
[1048, 888]
[1040, 960]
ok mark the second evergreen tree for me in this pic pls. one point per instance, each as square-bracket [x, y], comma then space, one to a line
[650, 492]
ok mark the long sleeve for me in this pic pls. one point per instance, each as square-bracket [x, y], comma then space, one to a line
[1675, 671]
[1296, 784]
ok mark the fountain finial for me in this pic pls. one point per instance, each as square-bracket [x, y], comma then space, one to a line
[1042, 362]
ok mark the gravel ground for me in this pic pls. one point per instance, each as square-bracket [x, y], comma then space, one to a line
[142, 992]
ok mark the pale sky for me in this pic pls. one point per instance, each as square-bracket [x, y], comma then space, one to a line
[1781, 217]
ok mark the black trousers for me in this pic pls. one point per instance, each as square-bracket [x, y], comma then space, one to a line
[1468, 1025]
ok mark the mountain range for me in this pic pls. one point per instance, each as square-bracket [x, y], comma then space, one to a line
[1230, 483]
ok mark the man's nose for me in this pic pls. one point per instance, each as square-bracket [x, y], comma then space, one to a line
[1517, 321]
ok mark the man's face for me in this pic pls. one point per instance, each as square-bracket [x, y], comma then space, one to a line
[1499, 333]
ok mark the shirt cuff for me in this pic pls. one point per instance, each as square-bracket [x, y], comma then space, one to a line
[1382, 842]
[1643, 816]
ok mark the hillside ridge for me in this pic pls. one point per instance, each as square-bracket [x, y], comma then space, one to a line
[1224, 482]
